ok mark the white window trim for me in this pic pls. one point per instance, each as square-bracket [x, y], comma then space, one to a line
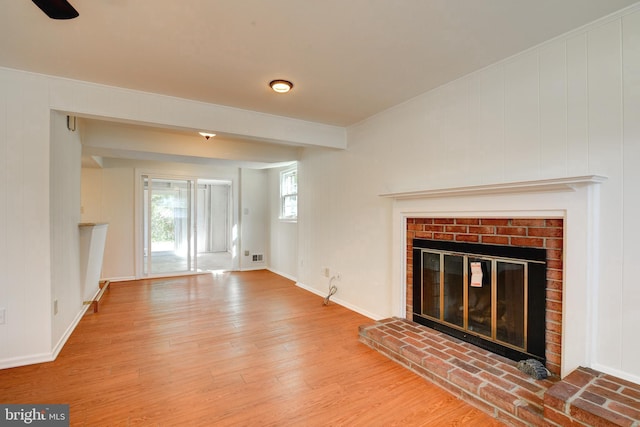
[282, 196]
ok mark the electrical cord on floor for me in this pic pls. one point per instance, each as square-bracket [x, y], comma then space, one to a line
[332, 290]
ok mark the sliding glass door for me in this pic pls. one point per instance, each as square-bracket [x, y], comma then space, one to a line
[168, 223]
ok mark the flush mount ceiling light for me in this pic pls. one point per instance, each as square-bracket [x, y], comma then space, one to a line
[281, 86]
[207, 135]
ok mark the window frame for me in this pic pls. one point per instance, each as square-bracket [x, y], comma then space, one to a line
[287, 194]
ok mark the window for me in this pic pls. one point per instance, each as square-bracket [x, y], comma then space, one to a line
[289, 194]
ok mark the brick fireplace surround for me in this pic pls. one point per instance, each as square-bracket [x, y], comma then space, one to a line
[489, 381]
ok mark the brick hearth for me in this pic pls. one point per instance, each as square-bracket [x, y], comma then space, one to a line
[494, 384]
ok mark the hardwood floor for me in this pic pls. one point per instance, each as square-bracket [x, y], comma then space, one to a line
[231, 349]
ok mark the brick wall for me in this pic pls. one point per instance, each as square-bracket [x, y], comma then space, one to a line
[544, 233]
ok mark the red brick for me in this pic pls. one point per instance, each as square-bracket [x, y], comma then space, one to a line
[554, 244]
[499, 397]
[554, 254]
[414, 342]
[414, 227]
[554, 274]
[545, 232]
[554, 305]
[531, 414]
[392, 343]
[413, 354]
[444, 221]
[559, 418]
[559, 394]
[596, 415]
[455, 228]
[437, 366]
[487, 368]
[478, 403]
[609, 384]
[534, 242]
[553, 359]
[616, 397]
[528, 222]
[494, 221]
[524, 383]
[554, 222]
[553, 337]
[467, 238]
[468, 221]
[422, 220]
[465, 366]
[495, 380]
[621, 381]
[625, 410]
[593, 398]
[554, 284]
[532, 398]
[458, 352]
[552, 316]
[434, 344]
[434, 228]
[554, 348]
[580, 377]
[495, 240]
[447, 385]
[553, 295]
[442, 236]
[424, 235]
[631, 392]
[484, 229]
[465, 380]
[554, 327]
[511, 231]
[555, 263]
[510, 420]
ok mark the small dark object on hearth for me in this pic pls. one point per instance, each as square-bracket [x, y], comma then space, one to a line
[533, 368]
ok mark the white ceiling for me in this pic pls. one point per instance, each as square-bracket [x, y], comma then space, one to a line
[348, 59]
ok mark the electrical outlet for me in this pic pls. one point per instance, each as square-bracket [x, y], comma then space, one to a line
[246, 253]
[3, 316]
[325, 271]
[55, 307]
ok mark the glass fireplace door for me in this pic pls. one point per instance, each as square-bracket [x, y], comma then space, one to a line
[482, 295]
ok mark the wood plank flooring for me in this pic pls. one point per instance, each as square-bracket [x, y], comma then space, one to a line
[233, 349]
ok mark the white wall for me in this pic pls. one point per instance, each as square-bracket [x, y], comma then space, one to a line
[67, 286]
[254, 223]
[25, 275]
[283, 235]
[568, 107]
[108, 195]
[26, 102]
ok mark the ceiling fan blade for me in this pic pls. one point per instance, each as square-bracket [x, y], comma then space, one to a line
[57, 9]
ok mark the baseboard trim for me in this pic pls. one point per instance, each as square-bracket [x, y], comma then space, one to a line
[63, 339]
[341, 302]
[285, 275]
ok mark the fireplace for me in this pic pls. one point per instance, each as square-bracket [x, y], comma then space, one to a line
[489, 295]
[560, 215]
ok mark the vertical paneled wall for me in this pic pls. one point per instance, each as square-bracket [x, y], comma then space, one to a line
[25, 276]
[68, 291]
[565, 108]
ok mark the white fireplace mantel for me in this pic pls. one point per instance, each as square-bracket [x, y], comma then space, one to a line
[574, 199]
[555, 184]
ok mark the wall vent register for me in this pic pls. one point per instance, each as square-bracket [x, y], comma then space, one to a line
[489, 295]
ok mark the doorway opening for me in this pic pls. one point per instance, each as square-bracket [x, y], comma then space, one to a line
[186, 225]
